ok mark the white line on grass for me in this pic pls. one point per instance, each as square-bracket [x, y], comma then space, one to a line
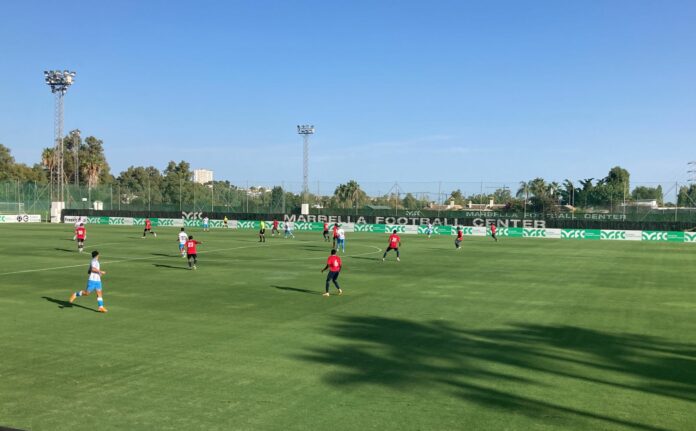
[109, 262]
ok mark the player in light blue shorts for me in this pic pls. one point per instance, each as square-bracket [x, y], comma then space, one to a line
[429, 230]
[94, 283]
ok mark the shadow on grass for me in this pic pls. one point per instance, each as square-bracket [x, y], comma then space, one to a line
[65, 250]
[66, 304]
[297, 289]
[161, 265]
[495, 368]
[317, 248]
[166, 255]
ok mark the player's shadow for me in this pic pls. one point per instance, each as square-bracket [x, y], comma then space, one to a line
[164, 254]
[317, 249]
[496, 368]
[364, 257]
[161, 265]
[65, 250]
[66, 304]
[297, 289]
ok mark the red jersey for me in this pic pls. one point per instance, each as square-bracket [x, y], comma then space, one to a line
[148, 224]
[460, 234]
[191, 246]
[326, 227]
[334, 263]
[81, 232]
[275, 224]
[493, 229]
[394, 240]
[335, 231]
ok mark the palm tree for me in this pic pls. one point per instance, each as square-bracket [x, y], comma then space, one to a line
[538, 187]
[569, 192]
[523, 191]
[48, 158]
[91, 168]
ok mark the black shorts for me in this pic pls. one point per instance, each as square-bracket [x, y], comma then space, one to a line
[326, 232]
[148, 229]
[80, 240]
[393, 248]
[191, 256]
[457, 242]
[332, 276]
[262, 232]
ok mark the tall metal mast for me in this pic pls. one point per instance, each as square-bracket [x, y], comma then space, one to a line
[59, 81]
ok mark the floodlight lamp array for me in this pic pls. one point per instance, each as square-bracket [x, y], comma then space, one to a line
[305, 129]
[59, 80]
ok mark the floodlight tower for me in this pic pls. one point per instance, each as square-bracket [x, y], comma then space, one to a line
[692, 171]
[306, 131]
[59, 81]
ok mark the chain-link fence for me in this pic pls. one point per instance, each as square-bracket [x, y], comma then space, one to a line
[658, 201]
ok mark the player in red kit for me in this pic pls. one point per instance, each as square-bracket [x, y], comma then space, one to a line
[334, 265]
[493, 230]
[394, 244]
[326, 232]
[459, 239]
[275, 230]
[148, 228]
[191, 252]
[81, 235]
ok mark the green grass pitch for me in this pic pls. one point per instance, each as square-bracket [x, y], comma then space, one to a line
[524, 334]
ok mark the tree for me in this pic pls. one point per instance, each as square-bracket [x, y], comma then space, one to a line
[687, 196]
[643, 193]
[567, 192]
[140, 185]
[7, 163]
[523, 190]
[502, 195]
[457, 197]
[410, 202]
[350, 193]
[93, 164]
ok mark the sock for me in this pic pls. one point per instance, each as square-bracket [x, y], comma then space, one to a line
[100, 301]
[78, 293]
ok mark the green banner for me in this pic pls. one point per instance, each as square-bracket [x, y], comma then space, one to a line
[532, 233]
[651, 235]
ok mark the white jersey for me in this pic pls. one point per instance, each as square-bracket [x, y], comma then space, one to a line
[183, 237]
[205, 220]
[341, 234]
[288, 225]
[95, 276]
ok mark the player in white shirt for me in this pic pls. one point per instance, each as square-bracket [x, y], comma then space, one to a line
[93, 283]
[429, 229]
[288, 229]
[341, 239]
[183, 237]
[206, 226]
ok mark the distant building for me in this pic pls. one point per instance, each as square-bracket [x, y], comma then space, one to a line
[202, 176]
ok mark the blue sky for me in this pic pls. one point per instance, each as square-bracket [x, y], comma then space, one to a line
[452, 91]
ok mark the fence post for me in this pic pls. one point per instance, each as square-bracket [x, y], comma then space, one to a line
[676, 200]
